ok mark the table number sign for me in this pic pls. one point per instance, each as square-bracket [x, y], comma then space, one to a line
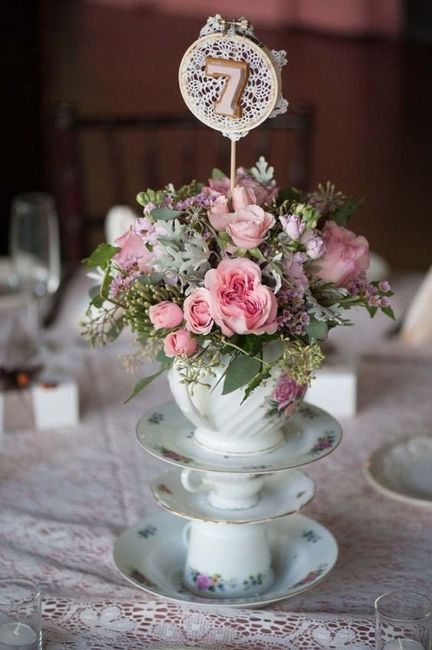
[230, 81]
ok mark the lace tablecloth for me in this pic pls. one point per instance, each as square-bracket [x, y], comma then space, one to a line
[66, 494]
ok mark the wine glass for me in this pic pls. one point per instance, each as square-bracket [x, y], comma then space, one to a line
[34, 244]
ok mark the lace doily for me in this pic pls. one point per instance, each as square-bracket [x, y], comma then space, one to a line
[126, 626]
[261, 97]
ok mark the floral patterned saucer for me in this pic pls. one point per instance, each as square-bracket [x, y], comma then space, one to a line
[151, 555]
[403, 470]
[282, 494]
[310, 434]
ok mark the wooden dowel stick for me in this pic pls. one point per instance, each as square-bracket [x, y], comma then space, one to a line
[233, 165]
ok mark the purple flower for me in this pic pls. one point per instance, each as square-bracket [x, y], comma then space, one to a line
[384, 286]
[293, 226]
[293, 271]
[315, 246]
[203, 581]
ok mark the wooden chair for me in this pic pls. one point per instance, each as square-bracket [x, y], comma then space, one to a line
[102, 160]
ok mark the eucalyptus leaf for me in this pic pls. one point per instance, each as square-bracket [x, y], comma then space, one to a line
[143, 383]
[317, 329]
[164, 214]
[101, 256]
[241, 370]
[264, 374]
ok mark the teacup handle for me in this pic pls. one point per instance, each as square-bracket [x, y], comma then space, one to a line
[186, 534]
[187, 479]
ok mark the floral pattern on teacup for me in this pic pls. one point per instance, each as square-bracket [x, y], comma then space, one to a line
[155, 418]
[311, 576]
[311, 536]
[170, 454]
[326, 441]
[147, 531]
[136, 575]
[217, 583]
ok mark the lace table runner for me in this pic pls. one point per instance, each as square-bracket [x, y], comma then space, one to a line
[66, 494]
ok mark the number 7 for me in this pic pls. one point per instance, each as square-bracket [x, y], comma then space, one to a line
[236, 73]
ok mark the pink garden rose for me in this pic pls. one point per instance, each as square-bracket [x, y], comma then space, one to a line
[217, 213]
[248, 226]
[180, 343]
[133, 249]
[242, 197]
[239, 303]
[347, 255]
[197, 311]
[165, 314]
[287, 394]
[220, 185]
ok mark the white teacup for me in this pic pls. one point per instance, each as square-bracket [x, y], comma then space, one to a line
[226, 491]
[227, 560]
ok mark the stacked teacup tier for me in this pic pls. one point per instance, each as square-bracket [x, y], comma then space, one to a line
[243, 541]
[223, 558]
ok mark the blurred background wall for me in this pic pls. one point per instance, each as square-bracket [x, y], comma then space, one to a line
[365, 66]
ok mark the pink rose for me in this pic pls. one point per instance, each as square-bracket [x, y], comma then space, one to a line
[248, 226]
[133, 251]
[264, 194]
[165, 314]
[220, 185]
[242, 197]
[239, 303]
[179, 344]
[197, 311]
[347, 255]
[287, 393]
[217, 213]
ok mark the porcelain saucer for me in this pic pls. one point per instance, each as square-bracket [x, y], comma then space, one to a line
[403, 470]
[310, 434]
[151, 555]
[282, 494]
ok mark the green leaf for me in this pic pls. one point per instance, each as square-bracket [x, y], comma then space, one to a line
[342, 215]
[143, 383]
[217, 174]
[264, 374]
[388, 311]
[101, 256]
[96, 299]
[115, 331]
[288, 194]
[372, 311]
[166, 362]
[241, 370]
[164, 214]
[317, 329]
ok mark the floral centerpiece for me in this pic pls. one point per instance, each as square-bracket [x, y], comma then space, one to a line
[250, 281]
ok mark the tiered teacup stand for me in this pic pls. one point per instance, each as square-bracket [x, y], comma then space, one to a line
[230, 532]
